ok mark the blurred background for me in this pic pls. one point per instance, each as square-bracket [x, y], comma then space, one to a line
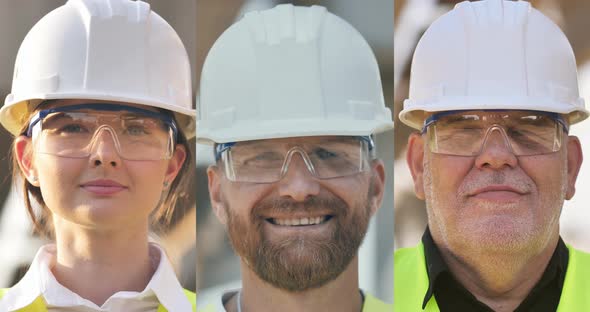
[217, 266]
[17, 245]
[412, 17]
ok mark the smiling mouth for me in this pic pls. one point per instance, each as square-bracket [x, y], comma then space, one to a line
[299, 221]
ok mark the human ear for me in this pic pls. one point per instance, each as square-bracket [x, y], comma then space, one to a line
[574, 162]
[175, 164]
[415, 160]
[215, 196]
[377, 185]
[24, 158]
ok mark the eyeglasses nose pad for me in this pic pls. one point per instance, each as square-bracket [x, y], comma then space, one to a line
[304, 156]
[503, 134]
[98, 134]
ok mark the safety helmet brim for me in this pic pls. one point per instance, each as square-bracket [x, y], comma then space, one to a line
[271, 129]
[15, 112]
[414, 112]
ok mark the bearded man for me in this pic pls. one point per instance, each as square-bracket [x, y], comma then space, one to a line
[291, 98]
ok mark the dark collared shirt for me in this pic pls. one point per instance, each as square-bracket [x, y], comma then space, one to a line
[452, 296]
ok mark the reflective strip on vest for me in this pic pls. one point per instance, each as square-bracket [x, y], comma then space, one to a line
[411, 281]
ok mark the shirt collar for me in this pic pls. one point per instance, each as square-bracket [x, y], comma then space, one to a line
[39, 281]
[166, 286]
[435, 265]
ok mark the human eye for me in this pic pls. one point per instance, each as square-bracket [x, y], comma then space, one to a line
[62, 124]
[325, 154]
[62, 128]
[462, 133]
[262, 159]
[531, 139]
[137, 128]
[73, 128]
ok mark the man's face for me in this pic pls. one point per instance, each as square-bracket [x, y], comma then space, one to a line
[300, 232]
[495, 201]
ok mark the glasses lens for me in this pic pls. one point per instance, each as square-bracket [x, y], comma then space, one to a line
[254, 161]
[465, 134]
[456, 135]
[144, 138]
[338, 158]
[73, 134]
[535, 135]
[267, 161]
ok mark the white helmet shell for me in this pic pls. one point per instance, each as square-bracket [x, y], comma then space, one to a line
[114, 50]
[288, 72]
[493, 54]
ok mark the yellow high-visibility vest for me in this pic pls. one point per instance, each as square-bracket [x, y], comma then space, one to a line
[411, 282]
[39, 304]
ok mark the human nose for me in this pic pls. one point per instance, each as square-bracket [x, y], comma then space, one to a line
[104, 147]
[496, 151]
[298, 182]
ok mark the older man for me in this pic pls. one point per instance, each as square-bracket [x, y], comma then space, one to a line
[493, 92]
[291, 98]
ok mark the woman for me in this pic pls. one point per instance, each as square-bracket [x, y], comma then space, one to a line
[101, 112]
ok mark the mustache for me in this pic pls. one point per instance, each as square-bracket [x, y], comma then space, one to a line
[473, 182]
[327, 203]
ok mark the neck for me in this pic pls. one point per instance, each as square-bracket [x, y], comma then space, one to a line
[112, 260]
[501, 281]
[341, 294]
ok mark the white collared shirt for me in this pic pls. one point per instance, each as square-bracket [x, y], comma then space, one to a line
[163, 288]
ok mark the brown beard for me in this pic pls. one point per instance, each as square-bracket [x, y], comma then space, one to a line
[298, 263]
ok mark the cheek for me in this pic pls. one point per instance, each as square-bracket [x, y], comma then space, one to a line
[240, 198]
[147, 179]
[443, 176]
[353, 191]
[58, 170]
[58, 177]
[549, 173]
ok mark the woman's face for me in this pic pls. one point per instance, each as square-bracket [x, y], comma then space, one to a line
[102, 191]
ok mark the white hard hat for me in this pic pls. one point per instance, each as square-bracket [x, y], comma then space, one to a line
[114, 50]
[493, 54]
[287, 72]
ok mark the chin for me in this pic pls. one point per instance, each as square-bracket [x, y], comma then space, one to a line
[498, 234]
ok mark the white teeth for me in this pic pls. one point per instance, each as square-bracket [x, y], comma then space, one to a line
[301, 221]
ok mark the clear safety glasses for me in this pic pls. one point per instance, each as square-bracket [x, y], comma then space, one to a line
[72, 131]
[267, 161]
[465, 133]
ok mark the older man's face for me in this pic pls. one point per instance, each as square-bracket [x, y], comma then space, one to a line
[300, 232]
[495, 201]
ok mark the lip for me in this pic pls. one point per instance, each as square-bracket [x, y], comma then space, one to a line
[283, 222]
[317, 231]
[299, 222]
[103, 187]
[498, 193]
